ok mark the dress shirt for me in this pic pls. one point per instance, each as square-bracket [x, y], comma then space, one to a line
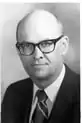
[51, 92]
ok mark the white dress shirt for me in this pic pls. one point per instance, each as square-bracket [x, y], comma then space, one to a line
[51, 92]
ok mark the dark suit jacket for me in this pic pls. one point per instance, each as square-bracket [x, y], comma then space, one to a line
[17, 101]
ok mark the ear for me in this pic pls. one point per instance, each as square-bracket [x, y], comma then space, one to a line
[64, 45]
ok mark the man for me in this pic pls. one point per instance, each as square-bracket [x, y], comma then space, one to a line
[41, 46]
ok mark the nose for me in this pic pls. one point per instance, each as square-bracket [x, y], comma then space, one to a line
[37, 53]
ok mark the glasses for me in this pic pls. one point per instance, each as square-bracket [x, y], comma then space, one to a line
[45, 46]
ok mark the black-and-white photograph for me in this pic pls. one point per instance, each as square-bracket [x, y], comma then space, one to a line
[40, 63]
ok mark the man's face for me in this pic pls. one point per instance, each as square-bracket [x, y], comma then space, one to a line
[39, 65]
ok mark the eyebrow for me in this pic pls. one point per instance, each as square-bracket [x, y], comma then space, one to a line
[55, 40]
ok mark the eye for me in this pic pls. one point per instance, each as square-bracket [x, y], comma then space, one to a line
[25, 45]
[28, 45]
[46, 43]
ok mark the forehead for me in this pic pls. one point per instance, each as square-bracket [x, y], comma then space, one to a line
[39, 25]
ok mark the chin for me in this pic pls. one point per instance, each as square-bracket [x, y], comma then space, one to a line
[40, 75]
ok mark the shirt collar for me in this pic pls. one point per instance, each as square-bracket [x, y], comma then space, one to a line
[52, 89]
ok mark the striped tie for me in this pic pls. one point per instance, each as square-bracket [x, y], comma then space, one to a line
[40, 114]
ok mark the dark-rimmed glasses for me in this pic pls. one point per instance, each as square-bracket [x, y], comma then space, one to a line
[45, 46]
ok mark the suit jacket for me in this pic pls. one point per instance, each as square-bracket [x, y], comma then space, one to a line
[16, 105]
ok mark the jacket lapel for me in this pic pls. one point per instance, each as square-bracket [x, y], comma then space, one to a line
[61, 104]
[29, 103]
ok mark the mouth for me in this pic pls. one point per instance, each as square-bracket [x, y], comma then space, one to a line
[39, 65]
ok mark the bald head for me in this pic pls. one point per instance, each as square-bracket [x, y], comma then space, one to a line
[39, 25]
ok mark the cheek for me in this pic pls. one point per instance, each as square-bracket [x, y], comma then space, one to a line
[52, 57]
[55, 59]
[26, 62]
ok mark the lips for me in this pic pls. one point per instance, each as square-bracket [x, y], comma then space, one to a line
[39, 65]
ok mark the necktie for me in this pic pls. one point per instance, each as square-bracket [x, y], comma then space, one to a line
[41, 111]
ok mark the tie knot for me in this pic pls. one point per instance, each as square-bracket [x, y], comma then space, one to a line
[41, 95]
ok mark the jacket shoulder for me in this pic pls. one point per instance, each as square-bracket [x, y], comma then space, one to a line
[21, 84]
[17, 98]
[20, 88]
[71, 85]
